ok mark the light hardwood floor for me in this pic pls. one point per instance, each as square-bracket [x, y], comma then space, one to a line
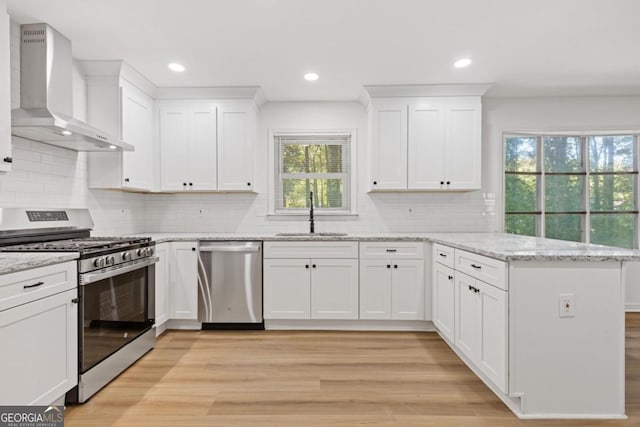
[207, 378]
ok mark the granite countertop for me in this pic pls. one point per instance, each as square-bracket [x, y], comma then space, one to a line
[10, 262]
[502, 246]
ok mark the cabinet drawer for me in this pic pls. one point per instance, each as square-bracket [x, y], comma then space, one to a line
[443, 255]
[386, 250]
[488, 270]
[29, 285]
[306, 249]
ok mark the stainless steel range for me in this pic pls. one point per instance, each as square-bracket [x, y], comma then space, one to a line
[116, 288]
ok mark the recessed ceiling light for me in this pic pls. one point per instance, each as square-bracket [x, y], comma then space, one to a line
[65, 132]
[178, 68]
[461, 63]
[112, 147]
[311, 77]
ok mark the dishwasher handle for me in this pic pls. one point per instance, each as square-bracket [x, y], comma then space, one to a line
[230, 248]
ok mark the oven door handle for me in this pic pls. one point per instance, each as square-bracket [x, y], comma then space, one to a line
[88, 278]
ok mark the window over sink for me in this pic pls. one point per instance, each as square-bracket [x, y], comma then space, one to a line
[317, 163]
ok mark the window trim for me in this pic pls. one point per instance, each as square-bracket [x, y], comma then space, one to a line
[274, 213]
[540, 173]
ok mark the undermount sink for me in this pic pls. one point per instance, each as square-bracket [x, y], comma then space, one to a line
[311, 234]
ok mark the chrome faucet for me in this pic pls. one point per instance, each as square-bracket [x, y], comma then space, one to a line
[311, 224]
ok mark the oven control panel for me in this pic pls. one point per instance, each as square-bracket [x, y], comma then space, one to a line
[36, 216]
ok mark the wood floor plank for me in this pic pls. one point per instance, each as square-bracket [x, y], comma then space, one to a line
[314, 378]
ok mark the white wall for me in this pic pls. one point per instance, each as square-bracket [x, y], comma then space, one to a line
[379, 212]
[52, 177]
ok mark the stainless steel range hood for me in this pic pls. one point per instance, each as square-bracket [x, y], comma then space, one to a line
[46, 95]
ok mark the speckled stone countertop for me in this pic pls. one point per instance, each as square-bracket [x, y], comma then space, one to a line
[506, 247]
[10, 262]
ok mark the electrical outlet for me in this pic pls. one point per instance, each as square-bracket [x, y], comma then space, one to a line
[123, 212]
[566, 305]
[202, 212]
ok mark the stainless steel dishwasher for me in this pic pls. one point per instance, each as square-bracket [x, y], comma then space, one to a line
[230, 285]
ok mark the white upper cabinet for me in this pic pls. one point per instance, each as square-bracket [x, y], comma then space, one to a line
[206, 145]
[235, 144]
[426, 143]
[119, 101]
[5, 91]
[389, 145]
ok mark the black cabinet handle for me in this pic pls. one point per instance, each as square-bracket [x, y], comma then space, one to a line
[477, 267]
[75, 300]
[450, 277]
[470, 287]
[35, 285]
[306, 266]
[477, 291]
[126, 180]
[375, 182]
[388, 266]
[441, 182]
[392, 250]
[448, 182]
[8, 160]
[191, 184]
[193, 249]
[442, 255]
[184, 184]
[314, 266]
[248, 184]
[395, 266]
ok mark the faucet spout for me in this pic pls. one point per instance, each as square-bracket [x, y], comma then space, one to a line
[311, 224]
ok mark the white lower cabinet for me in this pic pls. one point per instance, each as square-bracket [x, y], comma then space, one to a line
[481, 326]
[162, 284]
[40, 337]
[392, 280]
[392, 289]
[287, 289]
[334, 289]
[302, 281]
[443, 299]
[184, 281]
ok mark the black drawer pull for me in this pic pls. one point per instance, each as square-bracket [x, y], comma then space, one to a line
[450, 277]
[395, 266]
[7, 160]
[35, 285]
[306, 266]
[392, 250]
[75, 300]
[478, 267]
[442, 255]
[388, 266]
[314, 266]
[470, 287]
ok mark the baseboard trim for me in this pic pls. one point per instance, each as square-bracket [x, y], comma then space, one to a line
[350, 325]
[633, 307]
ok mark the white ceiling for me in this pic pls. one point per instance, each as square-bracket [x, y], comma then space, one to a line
[536, 47]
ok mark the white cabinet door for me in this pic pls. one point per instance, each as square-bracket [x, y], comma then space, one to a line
[174, 146]
[203, 163]
[407, 289]
[184, 280]
[41, 337]
[389, 145]
[5, 93]
[287, 288]
[426, 146]
[235, 147]
[162, 283]
[467, 309]
[375, 289]
[137, 129]
[492, 353]
[443, 300]
[334, 288]
[463, 145]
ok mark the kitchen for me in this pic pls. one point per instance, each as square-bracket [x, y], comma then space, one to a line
[277, 99]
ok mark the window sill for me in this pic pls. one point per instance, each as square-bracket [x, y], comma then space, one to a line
[304, 216]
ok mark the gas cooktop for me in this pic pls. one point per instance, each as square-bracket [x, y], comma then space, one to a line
[82, 245]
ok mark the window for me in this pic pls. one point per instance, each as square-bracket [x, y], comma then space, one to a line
[312, 163]
[578, 188]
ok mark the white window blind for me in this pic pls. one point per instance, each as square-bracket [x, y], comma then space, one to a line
[317, 163]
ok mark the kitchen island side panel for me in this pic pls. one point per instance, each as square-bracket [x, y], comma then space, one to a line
[568, 366]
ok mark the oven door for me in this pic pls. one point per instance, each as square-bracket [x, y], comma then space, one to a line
[116, 306]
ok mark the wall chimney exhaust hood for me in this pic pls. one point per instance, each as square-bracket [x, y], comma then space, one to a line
[46, 95]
